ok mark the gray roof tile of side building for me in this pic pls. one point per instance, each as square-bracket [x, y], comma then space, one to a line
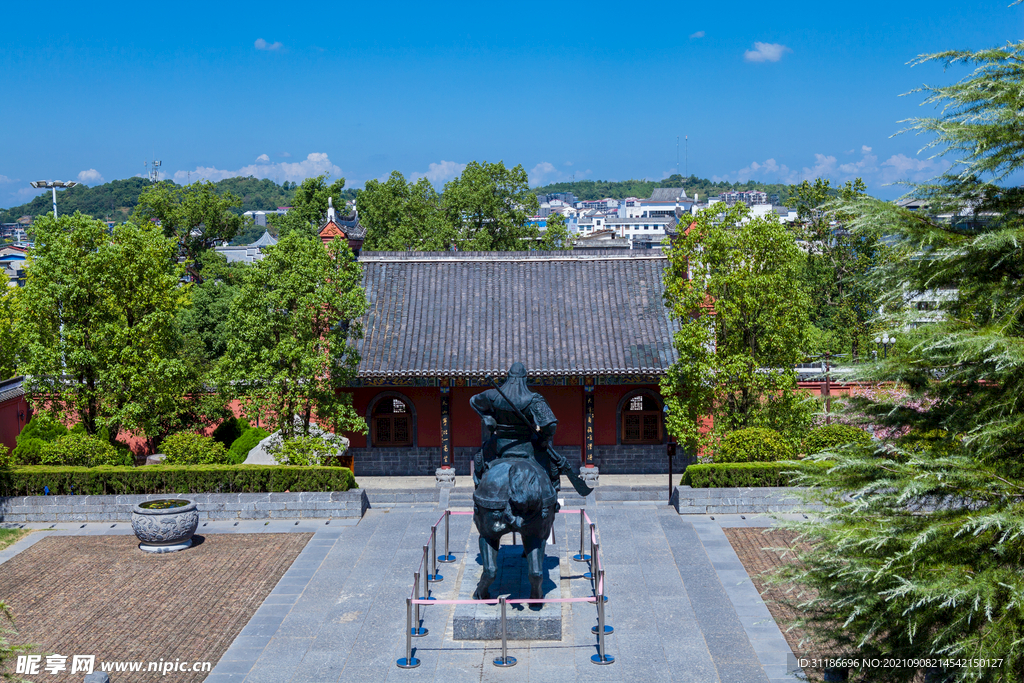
[11, 388]
[265, 240]
[667, 194]
[451, 314]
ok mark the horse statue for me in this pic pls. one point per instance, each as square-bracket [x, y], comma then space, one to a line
[514, 494]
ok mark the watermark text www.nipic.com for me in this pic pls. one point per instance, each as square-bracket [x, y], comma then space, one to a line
[31, 665]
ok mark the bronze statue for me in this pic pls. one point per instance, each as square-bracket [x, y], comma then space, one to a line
[516, 474]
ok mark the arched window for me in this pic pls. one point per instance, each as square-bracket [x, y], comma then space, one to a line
[641, 420]
[391, 423]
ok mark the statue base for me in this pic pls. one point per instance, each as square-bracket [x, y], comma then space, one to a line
[483, 622]
[589, 475]
[444, 476]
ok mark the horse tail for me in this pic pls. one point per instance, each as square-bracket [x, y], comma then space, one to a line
[525, 495]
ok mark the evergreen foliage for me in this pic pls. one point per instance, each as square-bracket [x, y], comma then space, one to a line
[189, 448]
[305, 451]
[753, 444]
[742, 474]
[107, 480]
[77, 449]
[919, 552]
[228, 431]
[826, 437]
[246, 442]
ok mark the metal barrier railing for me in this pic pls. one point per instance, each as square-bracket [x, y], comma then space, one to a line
[413, 602]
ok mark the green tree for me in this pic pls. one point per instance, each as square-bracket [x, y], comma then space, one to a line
[8, 340]
[309, 206]
[919, 549]
[204, 323]
[401, 216]
[491, 207]
[835, 266]
[733, 284]
[292, 328]
[196, 217]
[96, 320]
[556, 235]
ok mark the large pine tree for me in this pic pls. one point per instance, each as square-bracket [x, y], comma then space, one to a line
[919, 552]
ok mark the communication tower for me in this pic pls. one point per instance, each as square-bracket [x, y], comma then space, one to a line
[154, 170]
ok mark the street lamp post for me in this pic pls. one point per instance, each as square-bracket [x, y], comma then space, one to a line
[53, 185]
[885, 341]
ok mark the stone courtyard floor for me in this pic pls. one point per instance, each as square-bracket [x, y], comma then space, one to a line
[682, 605]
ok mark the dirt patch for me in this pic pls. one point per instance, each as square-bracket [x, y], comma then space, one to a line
[102, 596]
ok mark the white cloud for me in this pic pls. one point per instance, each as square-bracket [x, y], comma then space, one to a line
[5, 179]
[896, 168]
[440, 172]
[315, 164]
[90, 176]
[901, 167]
[698, 34]
[544, 171]
[286, 155]
[264, 45]
[766, 52]
[264, 158]
[568, 163]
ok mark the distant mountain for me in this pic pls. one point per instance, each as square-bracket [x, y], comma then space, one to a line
[116, 200]
[601, 189]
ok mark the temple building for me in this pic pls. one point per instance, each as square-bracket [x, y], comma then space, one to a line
[591, 328]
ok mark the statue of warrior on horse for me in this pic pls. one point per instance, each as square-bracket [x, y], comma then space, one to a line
[517, 476]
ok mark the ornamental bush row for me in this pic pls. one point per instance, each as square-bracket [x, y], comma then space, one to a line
[743, 474]
[108, 480]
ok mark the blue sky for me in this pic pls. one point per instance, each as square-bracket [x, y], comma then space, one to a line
[774, 92]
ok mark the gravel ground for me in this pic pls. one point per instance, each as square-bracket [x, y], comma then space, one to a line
[102, 596]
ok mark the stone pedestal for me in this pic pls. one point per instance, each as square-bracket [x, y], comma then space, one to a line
[589, 475]
[445, 476]
[483, 622]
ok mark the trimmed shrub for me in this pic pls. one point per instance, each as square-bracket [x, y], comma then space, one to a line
[829, 437]
[754, 444]
[43, 426]
[106, 480]
[189, 448]
[6, 458]
[228, 431]
[28, 451]
[77, 449]
[753, 474]
[245, 443]
[305, 451]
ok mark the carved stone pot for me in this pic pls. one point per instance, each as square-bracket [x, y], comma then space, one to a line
[165, 525]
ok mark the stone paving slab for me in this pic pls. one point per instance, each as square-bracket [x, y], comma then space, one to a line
[340, 614]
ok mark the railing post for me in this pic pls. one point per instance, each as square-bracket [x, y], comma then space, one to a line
[601, 599]
[601, 657]
[595, 551]
[447, 536]
[408, 661]
[434, 576]
[581, 557]
[426, 588]
[504, 660]
[417, 631]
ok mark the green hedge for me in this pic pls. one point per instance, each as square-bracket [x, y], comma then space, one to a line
[754, 444]
[108, 480]
[741, 474]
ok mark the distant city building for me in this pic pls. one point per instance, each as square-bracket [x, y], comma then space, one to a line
[260, 217]
[748, 197]
[12, 265]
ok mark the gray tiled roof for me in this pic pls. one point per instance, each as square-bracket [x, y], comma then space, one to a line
[265, 240]
[447, 314]
[11, 388]
[667, 194]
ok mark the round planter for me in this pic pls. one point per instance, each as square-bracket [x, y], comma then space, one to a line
[165, 525]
